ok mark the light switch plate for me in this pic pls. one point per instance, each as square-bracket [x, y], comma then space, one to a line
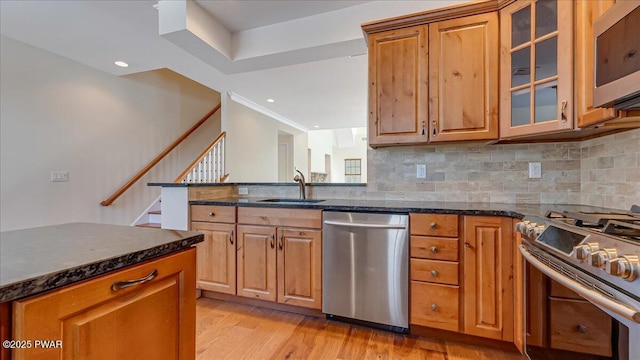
[535, 170]
[421, 171]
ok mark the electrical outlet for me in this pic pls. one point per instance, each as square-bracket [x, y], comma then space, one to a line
[59, 176]
[535, 170]
[243, 191]
[421, 171]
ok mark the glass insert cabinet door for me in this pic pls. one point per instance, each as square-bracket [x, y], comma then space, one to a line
[536, 67]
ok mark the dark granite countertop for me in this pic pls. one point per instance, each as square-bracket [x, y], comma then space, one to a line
[405, 206]
[46, 258]
[252, 184]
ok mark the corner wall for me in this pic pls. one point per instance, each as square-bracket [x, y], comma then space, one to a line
[59, 115]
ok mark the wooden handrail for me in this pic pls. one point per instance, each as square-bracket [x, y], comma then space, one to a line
[200, 157]
[157, 159]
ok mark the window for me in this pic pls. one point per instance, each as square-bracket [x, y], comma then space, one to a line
[352, 170]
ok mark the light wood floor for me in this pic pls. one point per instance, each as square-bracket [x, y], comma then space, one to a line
[227, 330]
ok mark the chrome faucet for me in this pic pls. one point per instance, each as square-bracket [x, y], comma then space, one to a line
[300, 180]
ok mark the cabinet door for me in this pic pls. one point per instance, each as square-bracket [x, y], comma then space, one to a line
[463, 79]
[152, 320]
[300, 267]
[488, 281]
[398, 86]
[256, 275]
[536, 74]
[586, 13]
[216, 261]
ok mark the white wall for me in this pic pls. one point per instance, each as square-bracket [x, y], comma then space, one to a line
[251, 153]
[321, 143]
[57, 114]
[358, 151]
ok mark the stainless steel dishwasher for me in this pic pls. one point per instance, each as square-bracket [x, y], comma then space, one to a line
[365, 268]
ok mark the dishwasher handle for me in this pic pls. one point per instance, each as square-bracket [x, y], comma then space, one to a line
[363, 225]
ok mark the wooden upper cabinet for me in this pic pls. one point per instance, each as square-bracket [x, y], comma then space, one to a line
[488, 280]
[536, 67]
[398, 65]
[586, 13]
[216, 260]
[152, 320]
[463, 78]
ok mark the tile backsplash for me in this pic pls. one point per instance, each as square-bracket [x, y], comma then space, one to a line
[610, 170]
[600, 172]
[477, 173]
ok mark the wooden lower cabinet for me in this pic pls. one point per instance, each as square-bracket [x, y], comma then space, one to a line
[300, 267]
[280, 264]
[434, 305]
[257, 262]
[579, 326]
[153, 320]
[216, 260]
[487, 277]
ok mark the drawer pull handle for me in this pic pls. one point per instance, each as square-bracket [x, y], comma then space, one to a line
[434, 273]
[434, 307]
[212, 213]
[433, 225]
[119, 285]
[467, 245]
[582, 329]
[231, 236]
[434, 249]
[271, 237]
[280, 241]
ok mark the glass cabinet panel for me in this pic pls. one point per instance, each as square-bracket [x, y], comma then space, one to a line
[521, 67]
[547, 58]
[546, 97]
[521, 107]
[521, 27]
[546, 17]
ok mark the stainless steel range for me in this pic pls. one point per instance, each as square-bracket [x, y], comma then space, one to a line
[597, 256]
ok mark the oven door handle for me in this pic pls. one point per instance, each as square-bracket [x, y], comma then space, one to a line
[591, 295]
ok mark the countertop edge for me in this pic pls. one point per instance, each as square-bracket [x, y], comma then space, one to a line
[55, 280]
[377, 209]
[255, 184]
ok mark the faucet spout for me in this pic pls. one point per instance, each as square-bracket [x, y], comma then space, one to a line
[300, 180]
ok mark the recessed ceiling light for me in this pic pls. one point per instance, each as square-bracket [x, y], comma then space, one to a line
[121, 64]
[270, 100]
[316, 126]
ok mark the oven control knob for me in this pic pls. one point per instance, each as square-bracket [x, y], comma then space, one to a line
[598, 258]
[625, 266]
[520, 227]
[538, 230]
[582, 252]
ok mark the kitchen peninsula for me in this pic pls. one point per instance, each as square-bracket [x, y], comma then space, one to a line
[86, 283]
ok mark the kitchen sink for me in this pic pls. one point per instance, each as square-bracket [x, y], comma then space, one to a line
[283, 200]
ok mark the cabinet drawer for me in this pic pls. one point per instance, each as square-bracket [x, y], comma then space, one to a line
[213, 213]
[434, 305]
[299, 218]
[434, 225]
[434, 271]
[579, 326]
[434, 248]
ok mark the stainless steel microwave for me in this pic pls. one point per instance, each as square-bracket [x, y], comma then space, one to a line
[617, 57]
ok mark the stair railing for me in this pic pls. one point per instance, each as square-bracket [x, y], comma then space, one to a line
[157, 159]
[208, 167]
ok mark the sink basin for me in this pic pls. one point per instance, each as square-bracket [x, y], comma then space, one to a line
[303, 201]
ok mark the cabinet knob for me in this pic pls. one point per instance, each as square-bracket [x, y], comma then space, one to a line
[467, 245]
[433, 225]
[434, 307]
[212, 214]
[434, 249]
[434, 273]
[582, 329]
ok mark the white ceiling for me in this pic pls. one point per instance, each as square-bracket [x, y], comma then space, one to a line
[296, 52]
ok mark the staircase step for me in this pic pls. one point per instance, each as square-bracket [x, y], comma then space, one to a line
[150, 225]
